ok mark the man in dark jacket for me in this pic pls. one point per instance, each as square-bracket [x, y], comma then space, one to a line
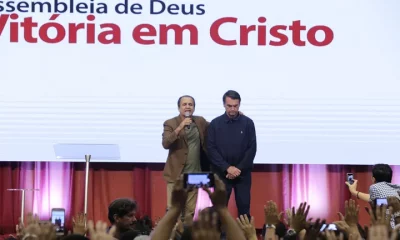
[232, 147]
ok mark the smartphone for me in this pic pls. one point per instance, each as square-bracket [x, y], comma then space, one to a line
[350, 178]
[381, 201]
[330, 227]
[58, 220]
[198, 179]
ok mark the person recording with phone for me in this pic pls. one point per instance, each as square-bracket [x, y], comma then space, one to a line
[184, 138]
[380, 190]
[232, 147]
[382, 186]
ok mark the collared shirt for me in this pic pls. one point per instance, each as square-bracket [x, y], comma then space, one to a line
[384, 190]
[192, 163]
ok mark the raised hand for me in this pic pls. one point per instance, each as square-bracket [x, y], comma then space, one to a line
[348, 222]
[351, 213]
[34, 230]
[331, 235]
[288, 217]
[179, 194]
[395, 233]
[352, 187]
[378, 232]
[313, 230]
[206, 227]
[381, 216]
[247, 226]
[271, 214]
[218, 197]
[299, 217]
[99, 232]
[79, 224]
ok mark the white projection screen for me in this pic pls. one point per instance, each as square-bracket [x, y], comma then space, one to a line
[320, 79]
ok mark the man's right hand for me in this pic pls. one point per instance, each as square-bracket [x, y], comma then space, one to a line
[185, 122]
[233, 171]
[352, 187]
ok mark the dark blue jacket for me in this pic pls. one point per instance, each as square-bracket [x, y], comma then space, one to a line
[232, 142]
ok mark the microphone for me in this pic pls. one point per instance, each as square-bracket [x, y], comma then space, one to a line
[187, 115]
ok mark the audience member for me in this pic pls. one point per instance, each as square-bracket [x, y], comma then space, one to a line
[121, 214]
[382, 186]
[384, 219]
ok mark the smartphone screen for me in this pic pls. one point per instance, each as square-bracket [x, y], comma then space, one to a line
[331, 227]
[350, 178]
[198, 179]
[381, 201]
[58, 220]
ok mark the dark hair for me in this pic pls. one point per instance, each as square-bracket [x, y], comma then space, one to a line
[144, 225]
[179, 100]
[231, 94]
[382, 173]
[129, 235]
[121, 207]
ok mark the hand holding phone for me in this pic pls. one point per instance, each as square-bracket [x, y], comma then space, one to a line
[381, 201]
[58, 220]
[198, 180]
[330, 227]
[350, 178]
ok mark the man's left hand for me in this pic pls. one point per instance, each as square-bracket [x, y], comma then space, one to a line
[230, 176]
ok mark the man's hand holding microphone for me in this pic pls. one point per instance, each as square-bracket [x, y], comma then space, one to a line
[185, 123]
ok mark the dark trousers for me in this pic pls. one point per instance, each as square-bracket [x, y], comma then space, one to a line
[242, 187]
